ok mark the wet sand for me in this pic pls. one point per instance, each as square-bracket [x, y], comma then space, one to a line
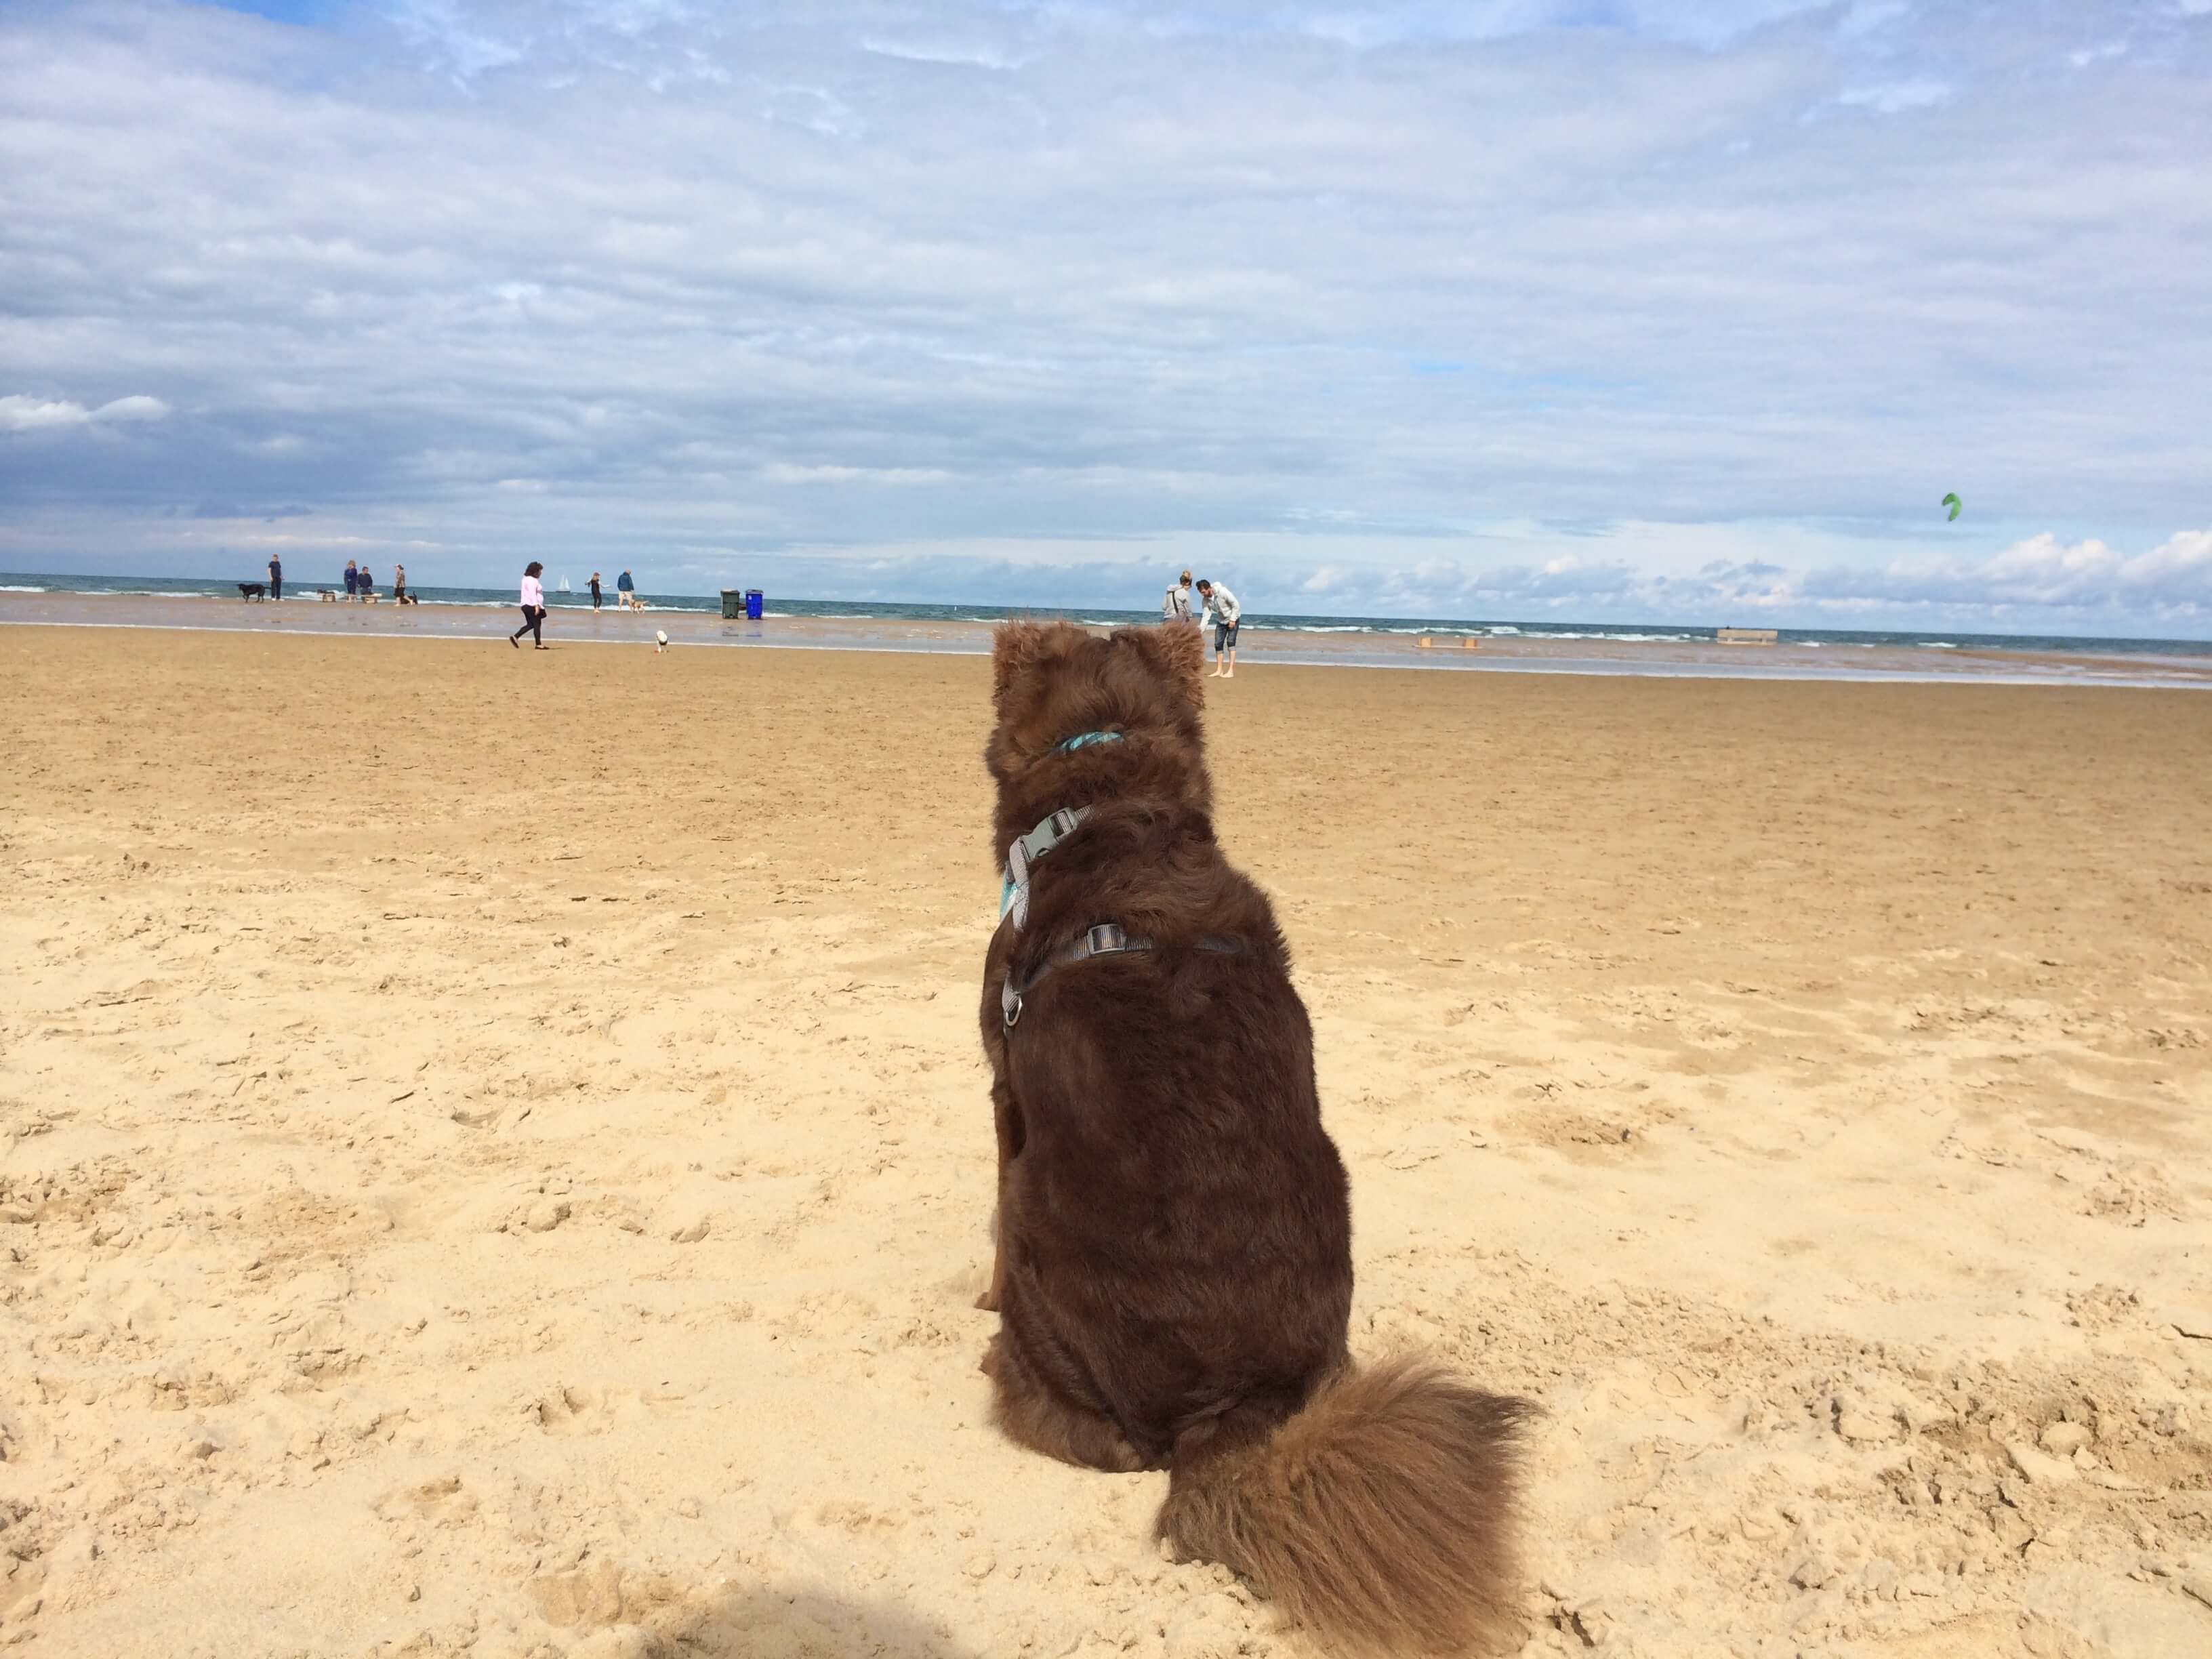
[494, 1155]
[1261, 648]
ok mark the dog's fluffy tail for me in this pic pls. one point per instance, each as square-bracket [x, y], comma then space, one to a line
[1381, 1515]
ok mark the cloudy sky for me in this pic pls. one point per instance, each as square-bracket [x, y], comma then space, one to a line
[1599, 309]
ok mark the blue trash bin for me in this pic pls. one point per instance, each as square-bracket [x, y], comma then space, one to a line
[752, 604]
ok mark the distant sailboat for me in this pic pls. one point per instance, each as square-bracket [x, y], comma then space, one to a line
[564, 583]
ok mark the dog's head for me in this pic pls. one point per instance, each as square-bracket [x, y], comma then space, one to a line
[1053, 681]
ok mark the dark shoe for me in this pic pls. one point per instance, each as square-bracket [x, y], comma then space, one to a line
[513, 642]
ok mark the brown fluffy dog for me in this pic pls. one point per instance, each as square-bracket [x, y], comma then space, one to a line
[1174, 1269]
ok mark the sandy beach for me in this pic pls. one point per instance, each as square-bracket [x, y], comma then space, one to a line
[495, 1157]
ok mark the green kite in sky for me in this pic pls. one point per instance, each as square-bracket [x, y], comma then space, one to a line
[1954, 504]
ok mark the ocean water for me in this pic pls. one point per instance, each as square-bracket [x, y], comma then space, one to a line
[1254, 621]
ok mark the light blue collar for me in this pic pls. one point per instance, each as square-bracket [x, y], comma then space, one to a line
[1084, 740]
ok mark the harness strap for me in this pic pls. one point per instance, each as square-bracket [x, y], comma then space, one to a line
[1014, 884]
[1049, 832]
[1106, 939]
[1014, 887]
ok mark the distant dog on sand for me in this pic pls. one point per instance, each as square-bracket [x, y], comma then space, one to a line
[1173, 1275]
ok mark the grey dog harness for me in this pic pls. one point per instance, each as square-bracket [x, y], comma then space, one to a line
[1022, 857]
[1051, 830]
[1106, 939]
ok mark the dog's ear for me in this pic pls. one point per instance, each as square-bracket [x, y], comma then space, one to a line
[1175, 652]
[1015, 647]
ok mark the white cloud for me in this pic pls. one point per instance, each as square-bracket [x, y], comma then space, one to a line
[132, 409]
[784, 472]
[2043, 574]
[938, 51]
[1894, 97]
[19, 413]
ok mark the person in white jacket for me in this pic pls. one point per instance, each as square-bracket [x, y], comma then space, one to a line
[1221, 606]
[533, 608]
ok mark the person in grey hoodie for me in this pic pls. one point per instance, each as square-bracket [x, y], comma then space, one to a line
[1177, 606]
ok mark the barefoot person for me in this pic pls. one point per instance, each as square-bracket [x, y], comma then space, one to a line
[1221, 604]
[595, 590]
[533, 608]
[275, 577]
[399, 584]
[625, 592]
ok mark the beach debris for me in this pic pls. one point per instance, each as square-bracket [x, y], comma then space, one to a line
[1956, 506]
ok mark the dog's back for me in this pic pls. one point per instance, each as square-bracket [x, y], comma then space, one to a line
[1174, 1273]
[1181, 1219]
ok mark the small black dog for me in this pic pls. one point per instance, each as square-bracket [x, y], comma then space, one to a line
[252, 591]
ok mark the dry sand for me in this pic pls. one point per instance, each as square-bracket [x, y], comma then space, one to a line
[494, 1155]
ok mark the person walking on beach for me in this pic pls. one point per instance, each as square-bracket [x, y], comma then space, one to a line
[625, 592]
[353, 581]
[595, 590]
[276, 577]
[1177, 606]
[399, 584]
[1221, 604]
[533, 608]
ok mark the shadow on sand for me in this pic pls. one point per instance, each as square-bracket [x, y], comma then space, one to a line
[777, 1621]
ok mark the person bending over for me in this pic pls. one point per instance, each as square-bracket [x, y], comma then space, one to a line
[1221, 606]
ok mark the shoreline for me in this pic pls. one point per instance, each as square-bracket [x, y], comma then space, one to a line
[1263, 648]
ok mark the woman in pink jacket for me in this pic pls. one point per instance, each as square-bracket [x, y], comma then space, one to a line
[533, 608]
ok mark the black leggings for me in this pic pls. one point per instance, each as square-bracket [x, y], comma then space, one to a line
[533, 619]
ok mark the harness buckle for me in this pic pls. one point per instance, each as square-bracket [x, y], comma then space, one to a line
[1106, 939]
[1009, 1006]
